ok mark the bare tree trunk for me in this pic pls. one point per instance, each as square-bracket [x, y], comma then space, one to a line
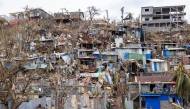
[17, 104]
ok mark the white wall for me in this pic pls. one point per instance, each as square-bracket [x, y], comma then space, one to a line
[161, 66]
[147, 13]
[150, 18]
[118, 41]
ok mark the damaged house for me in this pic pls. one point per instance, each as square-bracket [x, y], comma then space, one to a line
[35, 15]
[152, 92]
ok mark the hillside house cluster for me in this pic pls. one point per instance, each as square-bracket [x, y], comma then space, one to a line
[93, 77]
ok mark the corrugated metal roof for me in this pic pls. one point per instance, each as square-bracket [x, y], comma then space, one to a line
[87, 57]
[175, 49]
[154, 78]
[148, 95]
[157, 60]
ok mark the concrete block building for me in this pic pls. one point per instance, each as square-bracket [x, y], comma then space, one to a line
[162, 18]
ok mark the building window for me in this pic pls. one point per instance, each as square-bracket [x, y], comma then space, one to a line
[146, 10]
[144, 24]
[158, 12]
[146, 19]
[174, 100]
[179, 18]
[166, 17]
[152, 87]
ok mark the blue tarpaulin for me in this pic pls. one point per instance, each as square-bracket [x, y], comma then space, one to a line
[66, 54]
[188, 46]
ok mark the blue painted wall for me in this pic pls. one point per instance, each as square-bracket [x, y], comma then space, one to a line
[146, 67]
[97, 56]
[126, 56]
[148, 56]
[165, 53]
[155, 67]
[153, 100]
[104, 57]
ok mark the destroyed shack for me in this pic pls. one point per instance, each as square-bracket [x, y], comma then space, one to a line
[157, 66]
[106, 56]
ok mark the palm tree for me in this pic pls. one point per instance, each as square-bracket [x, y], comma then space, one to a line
[182, 79]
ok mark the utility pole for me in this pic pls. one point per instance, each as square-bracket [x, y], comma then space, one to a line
[107, 17]
[107, 14]
[79, 16]
[122, 10]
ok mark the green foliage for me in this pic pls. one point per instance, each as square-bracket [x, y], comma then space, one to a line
[59, 62]
[182, 79]
[116, 78]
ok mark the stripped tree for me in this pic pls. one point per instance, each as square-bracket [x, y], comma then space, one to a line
[92, 11]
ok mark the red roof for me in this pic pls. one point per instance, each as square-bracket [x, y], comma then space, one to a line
[153, 80]
[13, 22]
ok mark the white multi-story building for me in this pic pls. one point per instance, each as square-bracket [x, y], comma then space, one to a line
[162, 18]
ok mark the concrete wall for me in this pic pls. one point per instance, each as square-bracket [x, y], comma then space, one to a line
[150, 18]
[160, 66]
[85, 102]
[156, 10]
[112, 58]
[10, 105]
[134, 88]
[118, 41]
[128, 104]
[147, 13]
[145, 88]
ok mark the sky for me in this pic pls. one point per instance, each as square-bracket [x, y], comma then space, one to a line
[113, 6]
